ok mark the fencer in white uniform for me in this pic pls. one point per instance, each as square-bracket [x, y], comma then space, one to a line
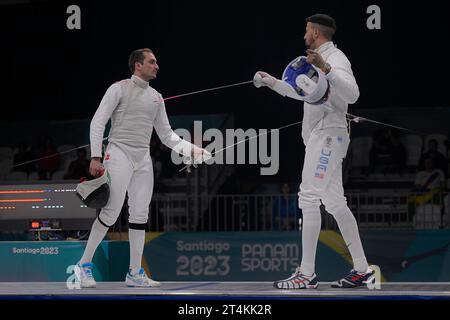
[325, 135]
[135, 108]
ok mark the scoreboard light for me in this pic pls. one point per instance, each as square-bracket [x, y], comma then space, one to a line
[35, 225]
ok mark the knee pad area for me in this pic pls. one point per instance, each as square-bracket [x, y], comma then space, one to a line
[107, 219]
[138, 219]
[137, 226]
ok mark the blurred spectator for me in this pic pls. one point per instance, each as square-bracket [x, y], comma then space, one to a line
[387, 152]
[285, 211]
[379, 153]
[79, 167]
[447, 145]
[24, 154]
[431, 178]
[439, 160]
[50, 163]
[428, 185]
[447, 152]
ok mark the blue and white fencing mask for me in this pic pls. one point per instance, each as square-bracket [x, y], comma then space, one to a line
[307, 80]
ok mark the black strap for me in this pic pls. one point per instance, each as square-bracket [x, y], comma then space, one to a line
[104, 224]
[137, 226]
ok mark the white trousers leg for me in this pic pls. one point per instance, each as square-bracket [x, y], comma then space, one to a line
[325, 150]
[139, 195]
[140, 191]
[322, 182]
[346, 221]
[120, 170]
[137, 179]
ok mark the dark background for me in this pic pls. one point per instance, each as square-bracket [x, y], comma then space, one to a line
[50, 72]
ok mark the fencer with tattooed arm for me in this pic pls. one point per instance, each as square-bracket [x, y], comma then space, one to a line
[324, 80]
[340, 77]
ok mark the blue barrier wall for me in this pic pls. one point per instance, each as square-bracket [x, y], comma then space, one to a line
[404, 256]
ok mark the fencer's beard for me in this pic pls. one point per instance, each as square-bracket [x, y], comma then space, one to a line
[310, 45]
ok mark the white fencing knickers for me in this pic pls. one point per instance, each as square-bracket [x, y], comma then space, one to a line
[322, 183]
[126, 176]
[322, 169]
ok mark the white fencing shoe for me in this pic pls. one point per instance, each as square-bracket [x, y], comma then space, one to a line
[84, 275]
[140, 279]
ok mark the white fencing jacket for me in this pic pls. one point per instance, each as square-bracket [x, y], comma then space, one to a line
[134, 108]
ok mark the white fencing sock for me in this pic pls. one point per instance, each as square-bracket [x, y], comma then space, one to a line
[137, 241]
[98, 232]
[310, 236]
[349, 230]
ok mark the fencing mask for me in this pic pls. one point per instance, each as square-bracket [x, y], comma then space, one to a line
[307, 80]
[95, 192]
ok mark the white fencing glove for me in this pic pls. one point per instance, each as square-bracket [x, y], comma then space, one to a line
[198, 156]
[202, 157]
[262, 78]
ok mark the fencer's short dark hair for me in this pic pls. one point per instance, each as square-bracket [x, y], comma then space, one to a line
[326, 24]
[137, 56]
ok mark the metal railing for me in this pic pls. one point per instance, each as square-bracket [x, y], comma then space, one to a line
[276, 212]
